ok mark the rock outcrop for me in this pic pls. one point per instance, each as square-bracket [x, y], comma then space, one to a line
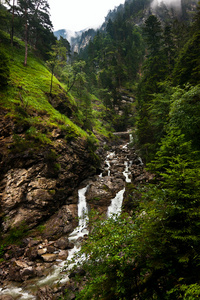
[41, 188]
[36, 182]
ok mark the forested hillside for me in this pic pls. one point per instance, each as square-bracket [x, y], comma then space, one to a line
[48, 128]
[153, 252]
[59, 109]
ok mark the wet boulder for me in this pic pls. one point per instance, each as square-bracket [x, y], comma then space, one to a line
[20, 271]
[45, 293]
[49, 257]
[62, 243]
[6, 297]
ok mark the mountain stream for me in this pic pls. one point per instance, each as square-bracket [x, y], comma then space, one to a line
[114, 208]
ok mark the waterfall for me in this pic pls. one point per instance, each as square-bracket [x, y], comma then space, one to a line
[55, 275]
[140, 160]
[131, 138]
[16, 292]
[116, 204]
[110, 155]
[126, 172]
[78, 232]
[81, 230]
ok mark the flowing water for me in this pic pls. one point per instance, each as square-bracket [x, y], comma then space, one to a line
[116, 204]
[55, 275]
[110, 155]
[80, 231]
[16, 293]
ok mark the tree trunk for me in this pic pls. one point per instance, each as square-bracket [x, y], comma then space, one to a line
[12, 23]
[26, 39]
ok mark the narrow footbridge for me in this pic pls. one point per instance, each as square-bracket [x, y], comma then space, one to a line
[124, 135]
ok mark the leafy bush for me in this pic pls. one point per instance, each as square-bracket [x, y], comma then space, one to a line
[144, 256]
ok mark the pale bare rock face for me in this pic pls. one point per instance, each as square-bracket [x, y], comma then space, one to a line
[176, 4]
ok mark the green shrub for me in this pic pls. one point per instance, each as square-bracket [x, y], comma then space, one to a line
[17, 233]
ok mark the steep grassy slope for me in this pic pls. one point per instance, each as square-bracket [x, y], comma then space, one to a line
[40, 141]
[27, 93]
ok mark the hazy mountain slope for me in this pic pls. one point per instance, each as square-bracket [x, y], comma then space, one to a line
[135, 11]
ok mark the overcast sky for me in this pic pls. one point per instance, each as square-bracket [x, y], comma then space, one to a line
[80, 14]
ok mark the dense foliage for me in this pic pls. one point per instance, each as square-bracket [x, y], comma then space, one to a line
[153, 252]
[30, 21]
[114, 58]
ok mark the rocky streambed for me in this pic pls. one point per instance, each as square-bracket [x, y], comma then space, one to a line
[33, 268]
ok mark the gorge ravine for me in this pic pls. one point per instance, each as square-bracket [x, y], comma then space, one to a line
[35, 266]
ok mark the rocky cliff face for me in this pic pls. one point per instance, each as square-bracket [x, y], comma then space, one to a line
[41, 173]
[78, 40]
[36, 182]
[32, 193]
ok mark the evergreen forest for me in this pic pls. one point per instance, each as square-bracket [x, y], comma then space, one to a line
[152, 250]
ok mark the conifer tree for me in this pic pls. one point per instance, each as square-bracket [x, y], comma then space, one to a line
[4, 17]
[12, 6]
[154, 72]
[57, 56]
[40, 22]
[35, 17]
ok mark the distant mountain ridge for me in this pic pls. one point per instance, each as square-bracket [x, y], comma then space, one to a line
[77, 39]
[68, 34]
[164, 9]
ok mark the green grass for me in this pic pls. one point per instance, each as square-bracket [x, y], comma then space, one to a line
[29, 88]
[99, 113]
[27, 101]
